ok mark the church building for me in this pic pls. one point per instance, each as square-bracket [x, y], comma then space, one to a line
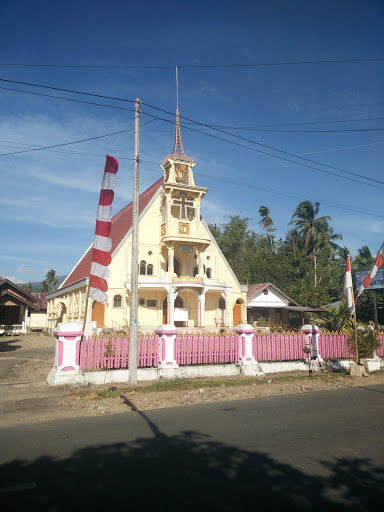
[184, 279]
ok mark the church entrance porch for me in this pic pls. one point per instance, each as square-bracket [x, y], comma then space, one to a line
[180, 313]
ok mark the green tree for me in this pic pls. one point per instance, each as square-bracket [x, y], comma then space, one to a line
[266, 222]
[26, 286]
[50, 281]
[238, 244]
[364, 259]
[311, 228]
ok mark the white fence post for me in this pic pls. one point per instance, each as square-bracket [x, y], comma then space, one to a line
[166, 347]
[247, 361]
[67, 355]
[311, 333]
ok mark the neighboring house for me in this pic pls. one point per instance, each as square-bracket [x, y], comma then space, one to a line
[266, 300]
[15, 303]
[38, 318]
[184, 279]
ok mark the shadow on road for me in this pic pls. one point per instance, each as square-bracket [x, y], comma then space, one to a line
[8, 344]
[188, 471]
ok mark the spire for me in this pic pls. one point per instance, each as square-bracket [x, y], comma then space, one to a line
[177, 149]
[177, 144]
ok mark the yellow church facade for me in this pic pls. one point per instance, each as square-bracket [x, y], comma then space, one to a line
[184, 279]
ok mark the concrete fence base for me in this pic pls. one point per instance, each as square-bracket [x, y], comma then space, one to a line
[84, 378]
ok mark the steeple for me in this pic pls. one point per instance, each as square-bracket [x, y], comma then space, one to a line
[177, 144]
[177, 154]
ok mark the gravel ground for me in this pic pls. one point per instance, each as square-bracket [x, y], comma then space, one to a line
[25, 397]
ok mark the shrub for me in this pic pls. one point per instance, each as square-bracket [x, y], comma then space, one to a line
[367, 342]
[262, 322]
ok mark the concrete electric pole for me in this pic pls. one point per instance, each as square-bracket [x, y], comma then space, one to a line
[132, 379]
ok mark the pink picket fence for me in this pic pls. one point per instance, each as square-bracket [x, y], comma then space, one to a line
[335, 346]
[206, 349]
[279, 347]
[380, 351]
[103, 353]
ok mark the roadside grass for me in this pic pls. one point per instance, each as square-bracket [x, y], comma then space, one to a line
[189, 384]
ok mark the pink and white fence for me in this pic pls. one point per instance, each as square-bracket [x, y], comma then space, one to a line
[102, 353]
[279, 347]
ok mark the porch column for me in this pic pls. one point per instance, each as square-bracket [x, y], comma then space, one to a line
[25, 320]
[171, 254]
[226, 313]
[171, 306]
[201, 264]
[201, 299]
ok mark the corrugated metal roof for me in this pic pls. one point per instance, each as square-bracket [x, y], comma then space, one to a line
[41, 300]
[121, 224]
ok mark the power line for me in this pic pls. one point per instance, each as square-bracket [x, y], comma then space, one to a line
[268, 147]
[66, 99]
[341, 149]
[250, 185]
[210, 135]
[193, 122]
[298, 124]
[66, 90]
[275, 156]
[196, 66]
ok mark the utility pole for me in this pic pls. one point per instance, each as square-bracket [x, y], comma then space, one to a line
[132, 380]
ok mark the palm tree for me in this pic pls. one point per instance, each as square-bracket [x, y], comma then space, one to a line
[364, 259]
[49, 282]
[328, 241]
[310, 228]
[266, 222]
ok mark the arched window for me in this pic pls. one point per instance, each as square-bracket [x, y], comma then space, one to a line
[143, 266]
[222, 303]
[149, 269]
[209, 273]
[195, 271]
[117, 300]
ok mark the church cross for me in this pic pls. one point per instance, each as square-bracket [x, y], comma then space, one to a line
[183, 203]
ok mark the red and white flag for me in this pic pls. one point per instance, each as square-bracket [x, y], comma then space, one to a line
[348, 286]
[102, 243]
[373, 271]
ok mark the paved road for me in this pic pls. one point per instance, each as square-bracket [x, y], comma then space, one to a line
[316, 451]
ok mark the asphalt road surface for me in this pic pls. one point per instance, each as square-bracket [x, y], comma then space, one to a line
[315, 451]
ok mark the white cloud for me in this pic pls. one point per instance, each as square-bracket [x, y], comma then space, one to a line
[14, 279]
[23, 269]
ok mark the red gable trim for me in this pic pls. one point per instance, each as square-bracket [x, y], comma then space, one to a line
[121, 224]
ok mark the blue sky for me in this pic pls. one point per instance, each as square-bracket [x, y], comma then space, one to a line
[49, 198]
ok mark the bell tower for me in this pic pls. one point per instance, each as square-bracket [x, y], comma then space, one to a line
[181, 197]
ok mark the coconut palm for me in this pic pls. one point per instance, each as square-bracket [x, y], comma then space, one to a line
[364, 259]
[266, 222]
[49, 282]
[310, 228]
[327, 242]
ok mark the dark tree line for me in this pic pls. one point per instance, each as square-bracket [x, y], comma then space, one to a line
[308, 264]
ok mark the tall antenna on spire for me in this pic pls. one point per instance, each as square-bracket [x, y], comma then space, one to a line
[177, 144]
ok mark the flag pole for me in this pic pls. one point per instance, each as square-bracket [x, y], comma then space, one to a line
[354, 321]
[89, 279]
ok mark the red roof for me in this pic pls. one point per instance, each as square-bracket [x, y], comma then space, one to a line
[41, 300]
[254, 289]
[121, 224]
